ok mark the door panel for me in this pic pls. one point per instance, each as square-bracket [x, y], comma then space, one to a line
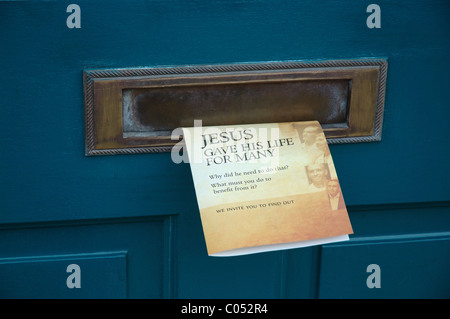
[46, 276]
[118, 258]
[409, 267]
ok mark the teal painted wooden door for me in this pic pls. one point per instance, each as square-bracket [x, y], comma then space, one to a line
[130, 223]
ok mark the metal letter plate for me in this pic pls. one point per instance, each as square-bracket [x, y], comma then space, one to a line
[129, 111]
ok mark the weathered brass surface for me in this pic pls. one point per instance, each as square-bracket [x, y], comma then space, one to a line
[135, 110]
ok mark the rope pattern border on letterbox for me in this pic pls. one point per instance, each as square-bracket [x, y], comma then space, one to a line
[90, 75]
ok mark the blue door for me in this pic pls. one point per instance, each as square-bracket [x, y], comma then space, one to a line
[128, 226]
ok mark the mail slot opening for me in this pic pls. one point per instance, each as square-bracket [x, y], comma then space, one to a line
[157, 111]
